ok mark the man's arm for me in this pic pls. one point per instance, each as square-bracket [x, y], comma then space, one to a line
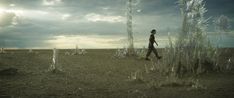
[156, 42]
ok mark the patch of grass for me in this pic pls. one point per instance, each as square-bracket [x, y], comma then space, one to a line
[136, 77]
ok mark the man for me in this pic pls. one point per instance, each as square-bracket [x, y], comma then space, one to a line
[151, 46]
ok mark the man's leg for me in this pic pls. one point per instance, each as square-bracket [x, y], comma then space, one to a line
[156, 53]
[148, 53]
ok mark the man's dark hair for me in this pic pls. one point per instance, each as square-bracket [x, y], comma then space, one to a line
[153, 31]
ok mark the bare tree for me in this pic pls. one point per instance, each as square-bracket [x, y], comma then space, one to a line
[222, 23]
[129, 27]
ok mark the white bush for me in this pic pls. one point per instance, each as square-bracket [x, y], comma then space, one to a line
[2, 50]
[192, 51]
[121, 53]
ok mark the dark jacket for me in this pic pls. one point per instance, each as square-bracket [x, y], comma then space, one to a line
[151, 41]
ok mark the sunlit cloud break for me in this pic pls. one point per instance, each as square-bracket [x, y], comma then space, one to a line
[98, 41]
[93, 17]
[94, 41]
[51, 2]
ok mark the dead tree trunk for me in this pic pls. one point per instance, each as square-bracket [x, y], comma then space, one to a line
[129, 28]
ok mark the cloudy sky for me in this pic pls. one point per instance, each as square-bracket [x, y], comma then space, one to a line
[96, 23]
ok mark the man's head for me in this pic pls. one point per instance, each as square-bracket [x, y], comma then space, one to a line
[153, 31]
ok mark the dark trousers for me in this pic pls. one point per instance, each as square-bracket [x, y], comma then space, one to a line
[150, 49]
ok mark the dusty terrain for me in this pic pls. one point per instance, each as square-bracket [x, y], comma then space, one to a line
[98, 74]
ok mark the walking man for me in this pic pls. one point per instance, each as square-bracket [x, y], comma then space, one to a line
[151, 46]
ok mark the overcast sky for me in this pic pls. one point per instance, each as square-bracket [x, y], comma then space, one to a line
[96, 23]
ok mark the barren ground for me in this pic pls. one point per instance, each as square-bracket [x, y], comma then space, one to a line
[98, 74]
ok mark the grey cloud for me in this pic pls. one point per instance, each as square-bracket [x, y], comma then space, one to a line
[7, 19]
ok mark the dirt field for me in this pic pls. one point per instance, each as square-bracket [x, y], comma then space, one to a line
[98, 74]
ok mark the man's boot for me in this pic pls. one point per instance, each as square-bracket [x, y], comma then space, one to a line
[147, 59]
[159, 57]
